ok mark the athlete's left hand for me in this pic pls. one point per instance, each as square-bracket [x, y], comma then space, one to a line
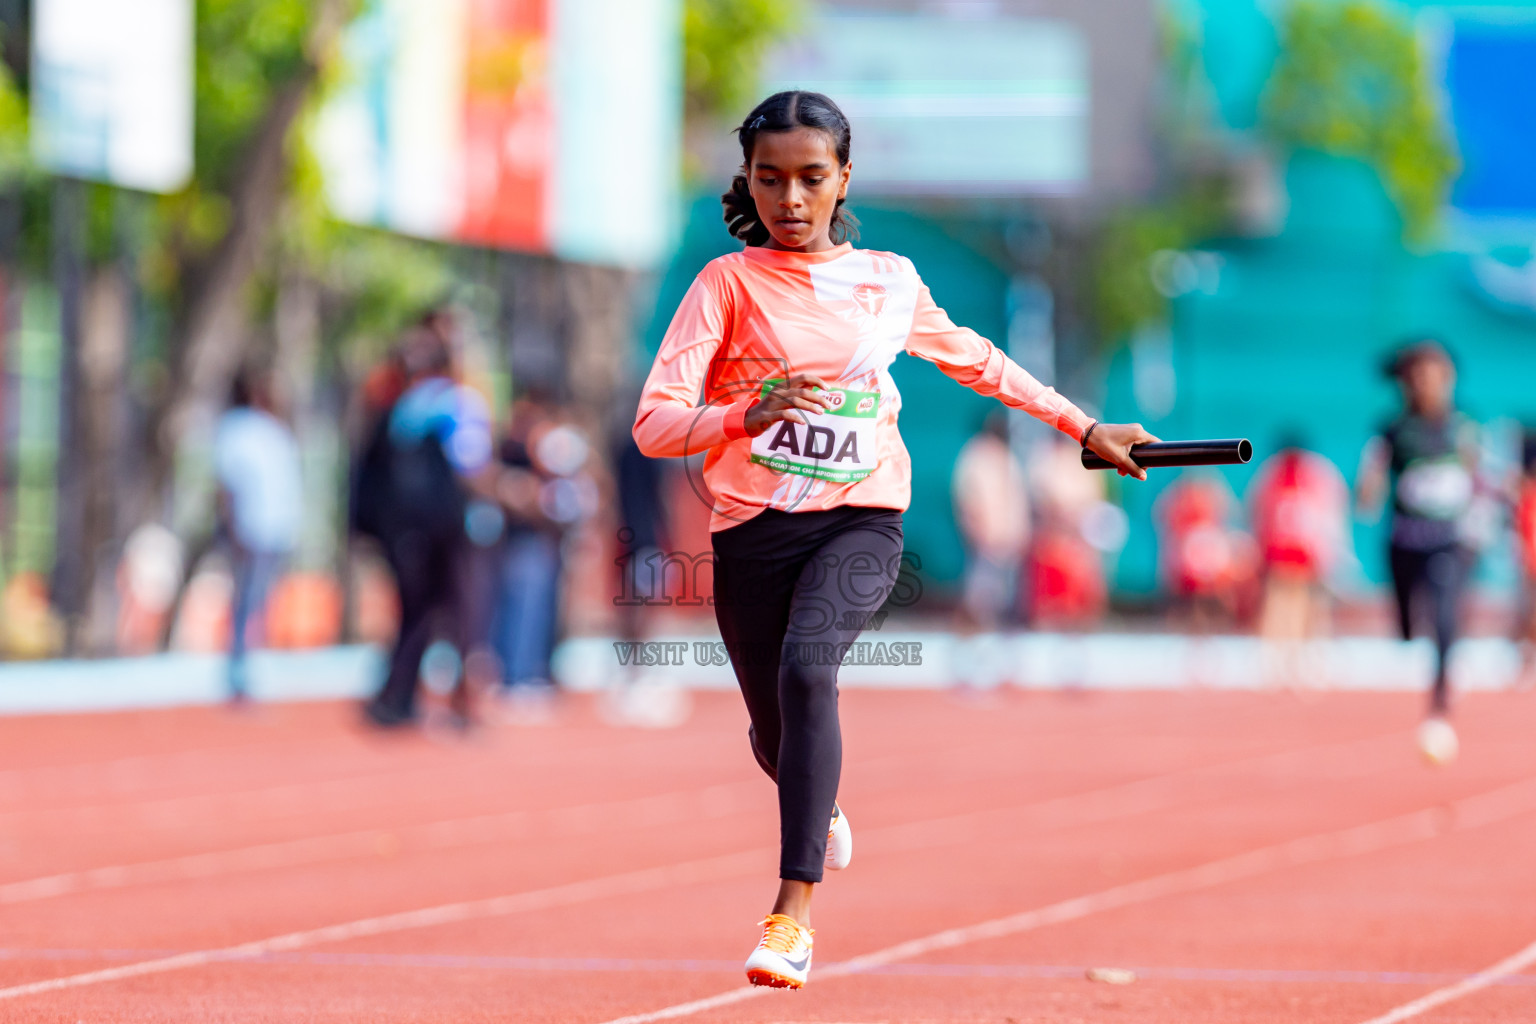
[803, 391]
[1113, 442]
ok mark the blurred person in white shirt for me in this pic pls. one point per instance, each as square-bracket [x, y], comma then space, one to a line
[992, 510]
[261, 508]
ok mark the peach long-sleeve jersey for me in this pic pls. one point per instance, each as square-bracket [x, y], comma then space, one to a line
[845, 314]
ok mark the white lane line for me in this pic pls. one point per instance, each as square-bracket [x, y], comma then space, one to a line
[622, 965]
[1403, 830]
[318, 796]
[1494, 805]
[1144, 795]
[595, 889]
[579, 819]
[1334, 761]
[690, 873]
[711, 802]
[344, 792]
[1481, 980]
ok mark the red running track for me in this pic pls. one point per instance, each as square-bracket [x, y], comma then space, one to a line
[1251, 857]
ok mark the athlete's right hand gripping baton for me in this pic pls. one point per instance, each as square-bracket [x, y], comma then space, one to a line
[1160, 454]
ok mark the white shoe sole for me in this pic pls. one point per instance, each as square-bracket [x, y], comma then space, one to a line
[765, 978]
[839, 843]
[772, 970]
[1438, 742]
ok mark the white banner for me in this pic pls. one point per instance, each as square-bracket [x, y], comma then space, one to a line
[112, 91]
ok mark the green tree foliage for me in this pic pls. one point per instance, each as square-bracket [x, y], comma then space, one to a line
[723, 46]
[211, 257]
[248, 53]
[13, 128]
[246, 49]
[1124, 296]
[1350, 81]
[244, 52]
[374, 281]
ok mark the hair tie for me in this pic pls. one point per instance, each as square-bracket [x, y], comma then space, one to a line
[757, 122]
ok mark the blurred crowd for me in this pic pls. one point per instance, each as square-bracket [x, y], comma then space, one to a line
[1040, 534]
[471, 526]
[470, 514]
[485, 523]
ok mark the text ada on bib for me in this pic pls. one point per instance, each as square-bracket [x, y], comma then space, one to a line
[837, 444]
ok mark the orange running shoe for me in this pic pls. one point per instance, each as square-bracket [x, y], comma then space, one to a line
[782, 958]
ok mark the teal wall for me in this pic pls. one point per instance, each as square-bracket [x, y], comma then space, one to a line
[1294, 334]
[1238, 48]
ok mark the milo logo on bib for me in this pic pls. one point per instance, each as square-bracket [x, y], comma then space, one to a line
[837, 444]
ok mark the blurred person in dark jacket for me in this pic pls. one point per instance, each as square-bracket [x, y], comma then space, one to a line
[641, 696]
[428, 455]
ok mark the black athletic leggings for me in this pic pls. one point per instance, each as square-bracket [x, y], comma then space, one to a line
[1438, 576]
[791, 588]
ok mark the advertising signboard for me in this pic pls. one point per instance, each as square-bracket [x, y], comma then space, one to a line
[537, 125]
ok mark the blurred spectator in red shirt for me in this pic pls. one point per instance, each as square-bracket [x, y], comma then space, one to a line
[1525, 536]
[1206, 561]
[1066, 585]
[1300, 506]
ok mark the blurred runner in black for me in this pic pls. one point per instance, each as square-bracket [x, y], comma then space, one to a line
[1426, 459]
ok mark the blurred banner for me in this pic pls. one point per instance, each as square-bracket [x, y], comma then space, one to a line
[112, 91]
[944, 106]
[539, 125]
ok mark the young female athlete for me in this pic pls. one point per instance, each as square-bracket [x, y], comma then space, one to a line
[790, 343]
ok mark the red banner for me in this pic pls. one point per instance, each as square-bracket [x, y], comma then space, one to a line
[509, 125]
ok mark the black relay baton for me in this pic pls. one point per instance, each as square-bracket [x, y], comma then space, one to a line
[1159, 454]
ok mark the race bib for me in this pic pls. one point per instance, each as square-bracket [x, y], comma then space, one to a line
[837, 444]
[1435, 489]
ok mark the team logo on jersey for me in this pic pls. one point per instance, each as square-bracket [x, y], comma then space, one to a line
[870, 297]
